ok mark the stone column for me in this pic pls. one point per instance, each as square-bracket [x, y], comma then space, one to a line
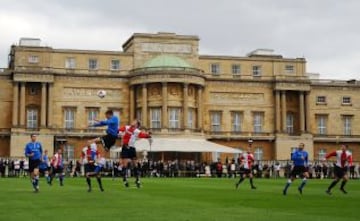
[302, 111]
[185, 106]
[307, 113]
[144, 105]
[200, 108]
[50, 105]
[22, 104]
[15, 110]
[283, 110]
[164, 111]
[132, 103]
[43, 105]
[277, 111]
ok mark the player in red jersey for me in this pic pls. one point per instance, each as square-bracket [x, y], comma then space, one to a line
[130, 133]
[57, 167]
[247, 159]
[343, 161]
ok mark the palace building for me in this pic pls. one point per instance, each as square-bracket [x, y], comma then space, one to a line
[178, 93]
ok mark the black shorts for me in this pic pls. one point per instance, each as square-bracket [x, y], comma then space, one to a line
[298, 171]
[89, 168]
[58, 170]
[108, 141]
[245, 171]
[34, 164]
[128, 152]
[340, 172]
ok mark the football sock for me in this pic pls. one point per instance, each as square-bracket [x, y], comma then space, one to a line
[343, 183]
[137, 173]
[36, 180]
[61, 179]
[99, 182]
[251, 182]
[88, 180]
[124, 173]
[303, 183]
[287, 185]
[241, 179]
[47, 178]
[333, 184]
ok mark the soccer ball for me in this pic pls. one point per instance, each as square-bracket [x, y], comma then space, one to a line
[101, 93]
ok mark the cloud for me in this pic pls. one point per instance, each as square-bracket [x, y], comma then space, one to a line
[324, 31]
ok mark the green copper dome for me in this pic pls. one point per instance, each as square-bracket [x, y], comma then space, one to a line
[166, 61]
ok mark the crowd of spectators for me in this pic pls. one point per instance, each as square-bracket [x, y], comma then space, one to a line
[185, 168]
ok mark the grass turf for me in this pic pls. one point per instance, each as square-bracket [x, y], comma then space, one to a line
[177, 199]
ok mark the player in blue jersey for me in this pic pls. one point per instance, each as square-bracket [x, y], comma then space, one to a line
[33, 150]
[112, 123]
[44, 166]
[300, 159]
[93, 164]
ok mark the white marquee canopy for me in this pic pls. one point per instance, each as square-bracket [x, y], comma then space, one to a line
[183, 144]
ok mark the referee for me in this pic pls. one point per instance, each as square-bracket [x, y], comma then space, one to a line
[33, 150]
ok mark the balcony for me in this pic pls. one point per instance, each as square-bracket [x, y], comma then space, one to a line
[336, 138]
[239, 135]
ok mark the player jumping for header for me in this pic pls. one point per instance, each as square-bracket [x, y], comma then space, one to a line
[112, 123]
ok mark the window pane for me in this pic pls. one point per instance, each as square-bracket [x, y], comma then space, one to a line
[321, 121]
[215, 69]
[258, 154]
[290, 123]
[236, 69]
[115, 64]
[93, 64]
[190, 118]
[155, 118]
[32, 118]
[69, 118]
[70, 63]
[236, 122]
[174, 117]
[256, 70]
[216, 121]
[92, 116]
[258, 122]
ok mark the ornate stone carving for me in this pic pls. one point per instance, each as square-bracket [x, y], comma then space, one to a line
[90, 92]
[167, 48]
[236, 98]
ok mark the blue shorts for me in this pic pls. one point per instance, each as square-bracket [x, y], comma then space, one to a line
[98, 169]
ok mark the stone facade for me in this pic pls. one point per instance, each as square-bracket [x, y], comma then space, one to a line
[225, 99]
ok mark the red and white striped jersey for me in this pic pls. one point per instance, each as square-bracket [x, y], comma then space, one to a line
[247, 159]
[343, 158]
[130, 134]
[57, 160]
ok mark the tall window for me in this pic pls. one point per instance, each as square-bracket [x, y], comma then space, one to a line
[236, 121]
[215, 69]
[32, 118]
[236, 69]
[191, 118]
[290, 123]
[258, 153]
[69, 118]
[174, 117]
[322, 154]
[321, 124]
[115, 65]
[70, 63]
[289, 69]
[33, 59]
[93, 64]
[138, 114]
[347, 124]
[69, 152]
[92, 115]
[258, 121]
[215, 121]
[256, 70]
[155, 117]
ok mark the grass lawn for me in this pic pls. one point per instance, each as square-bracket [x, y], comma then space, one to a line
[177, 199]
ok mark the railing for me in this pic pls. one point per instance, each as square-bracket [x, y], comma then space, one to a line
[238, 134]
[5, 131]
[165, 69]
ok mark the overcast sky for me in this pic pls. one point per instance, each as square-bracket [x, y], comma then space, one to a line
[325, 32]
